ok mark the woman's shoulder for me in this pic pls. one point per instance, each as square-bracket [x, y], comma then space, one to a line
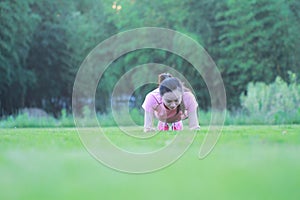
[188, 97]
[188, 94]
[154, 94]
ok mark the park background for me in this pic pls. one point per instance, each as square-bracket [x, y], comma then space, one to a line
[255, 45]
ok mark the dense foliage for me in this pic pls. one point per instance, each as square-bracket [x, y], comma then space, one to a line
[43, 43]
[277, 102]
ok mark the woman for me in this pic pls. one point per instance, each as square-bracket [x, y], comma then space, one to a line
[170, 103]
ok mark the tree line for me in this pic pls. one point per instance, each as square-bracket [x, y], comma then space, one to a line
[43, 43]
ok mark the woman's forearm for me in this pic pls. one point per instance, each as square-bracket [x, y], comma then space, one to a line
[193, 121]
[148, 122]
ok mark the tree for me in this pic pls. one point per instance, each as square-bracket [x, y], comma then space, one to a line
[16, 33]
[249, 41]
[256, 43]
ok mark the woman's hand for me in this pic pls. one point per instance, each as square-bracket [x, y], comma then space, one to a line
[196, 128]
[149, 129]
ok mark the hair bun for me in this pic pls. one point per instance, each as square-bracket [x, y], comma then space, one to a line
[163, 76]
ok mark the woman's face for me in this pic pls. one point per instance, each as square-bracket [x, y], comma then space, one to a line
[172, 99]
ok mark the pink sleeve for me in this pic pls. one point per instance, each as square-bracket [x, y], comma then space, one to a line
[150, 103]
[190, 101]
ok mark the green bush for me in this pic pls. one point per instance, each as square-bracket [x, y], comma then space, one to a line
[276, 103]
[23, 120]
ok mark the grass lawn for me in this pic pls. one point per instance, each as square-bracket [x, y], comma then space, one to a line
[248, 162]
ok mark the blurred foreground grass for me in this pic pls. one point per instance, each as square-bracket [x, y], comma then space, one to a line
[248, 162]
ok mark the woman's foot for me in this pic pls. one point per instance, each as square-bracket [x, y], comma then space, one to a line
[177, 126]
[163, 126]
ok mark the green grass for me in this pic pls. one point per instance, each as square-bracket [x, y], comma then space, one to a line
[248, 162]
[137, 116]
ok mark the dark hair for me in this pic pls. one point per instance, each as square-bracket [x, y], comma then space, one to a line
[169, 85]
[163, 76]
